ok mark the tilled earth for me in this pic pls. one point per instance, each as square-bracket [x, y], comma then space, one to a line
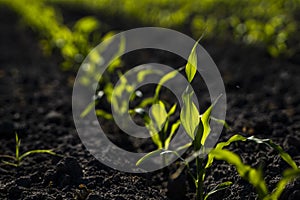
[263, 100]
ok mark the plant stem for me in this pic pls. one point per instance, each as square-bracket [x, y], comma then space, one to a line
[18, 143]
[199, 180]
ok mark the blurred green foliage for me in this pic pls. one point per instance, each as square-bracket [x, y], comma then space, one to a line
[271, 24]
[74, 43]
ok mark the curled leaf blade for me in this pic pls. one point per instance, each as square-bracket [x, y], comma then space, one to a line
[148, 156]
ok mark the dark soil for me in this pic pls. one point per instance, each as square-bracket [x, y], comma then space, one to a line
[35, 98]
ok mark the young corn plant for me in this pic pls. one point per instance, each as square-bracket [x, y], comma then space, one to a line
[107, 87]
[197, 127]
[104, 80]
[157, 120]
[248, 173]
[160, 129]
[16, 160]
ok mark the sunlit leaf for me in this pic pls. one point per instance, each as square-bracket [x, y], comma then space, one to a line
[172, 110]
[288, 176]
[205, 121]
[104, 114]
[88, 109]
[191, 66]
[148, 156]
[37, 152]
[145, 102]
[285, 156]
[164, 79]
[154, 133]
[158, 115]
[184, 146]
[220, 121]
[10, 163]
[189, 115]
[86, 24]
[220, 146]
[250, 174]
[172, 132]
[108, 90]
[142, 74]
[218, 188]
[116, 58]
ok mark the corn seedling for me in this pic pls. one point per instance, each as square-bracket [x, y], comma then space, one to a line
[106, 86]
[252, 175]
[197, 127]
[17, 159]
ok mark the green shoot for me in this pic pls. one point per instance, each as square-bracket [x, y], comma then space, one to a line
[253, 176]
[197, 127]
[17, 159]
[158, 127]
[221, 186]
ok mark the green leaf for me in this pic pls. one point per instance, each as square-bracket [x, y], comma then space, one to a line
[285, 156]
[108, 90]
[154, 134]
[288, 176]
[164, 79]
[86, 24]
[172, 132]
[118, 103]
[88, 109]
[218, 188]
[10, 163]
[220, 146]
[252, 175]
[148, 155]
[172, 110]
[7, 156]
[223, 122]
[156, 139]
[145, 102]
[189, 115]
[38, 151]
[191, 66]
[205, 121]
[184, 146]
[158, 115]
[115, 61]
[104, 114]
[142, 74]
